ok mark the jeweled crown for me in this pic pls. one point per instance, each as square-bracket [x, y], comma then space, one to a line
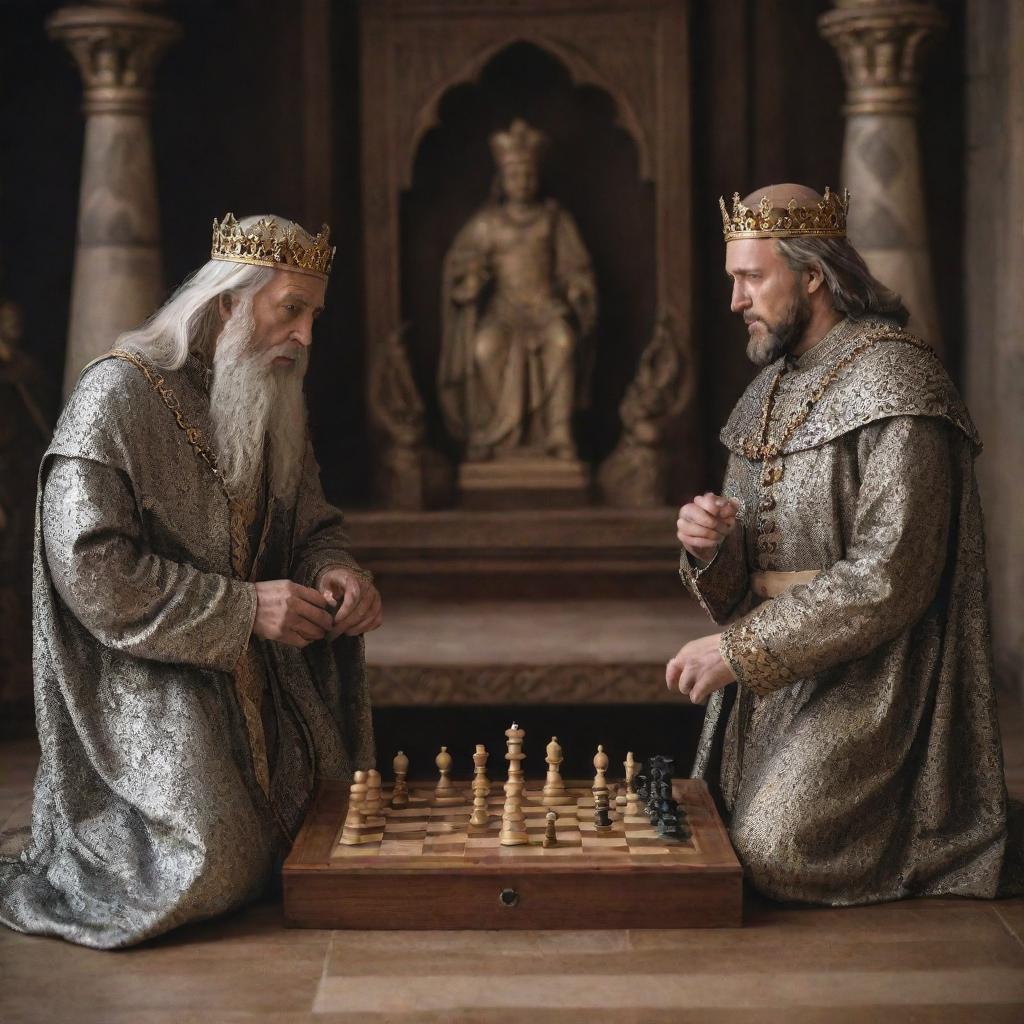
[826, 219]
[266, 243]
[520, 144]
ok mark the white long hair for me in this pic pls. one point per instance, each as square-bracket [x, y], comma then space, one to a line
[247, 401]
[189, 320]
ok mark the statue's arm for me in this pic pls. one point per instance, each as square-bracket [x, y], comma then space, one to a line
[127, 597]
[321, 539]
[575, 272]
[722, 585]
[467, 264]
[894, 562]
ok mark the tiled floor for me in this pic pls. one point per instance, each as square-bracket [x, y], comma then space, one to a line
[917, 961]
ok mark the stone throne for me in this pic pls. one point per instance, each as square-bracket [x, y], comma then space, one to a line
[608, 82]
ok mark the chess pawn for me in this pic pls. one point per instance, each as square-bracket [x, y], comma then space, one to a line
[554, 793]
[550, 833]
[481, 786]
[400, 792]
[513, 822]
[444, 791]
[374, 801]
[350, 834]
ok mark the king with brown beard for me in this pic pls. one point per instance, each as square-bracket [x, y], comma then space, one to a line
[198, 618]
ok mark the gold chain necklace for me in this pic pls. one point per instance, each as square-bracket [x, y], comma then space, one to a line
[240, 513]
[768, 451]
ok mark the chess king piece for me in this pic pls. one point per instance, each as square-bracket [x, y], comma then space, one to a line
[519, 302]
[444, 792]
[513, 823]
[481, 786]
[400, 792]
[554, 794]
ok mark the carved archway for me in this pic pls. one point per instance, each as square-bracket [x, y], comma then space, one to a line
[414, 51]
[580, 70]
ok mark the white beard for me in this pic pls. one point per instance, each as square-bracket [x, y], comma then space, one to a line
[251, 400]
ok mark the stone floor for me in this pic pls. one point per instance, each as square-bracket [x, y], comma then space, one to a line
[917, 961]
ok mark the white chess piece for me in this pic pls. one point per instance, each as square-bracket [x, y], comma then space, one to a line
[513, 823]
[554, 793]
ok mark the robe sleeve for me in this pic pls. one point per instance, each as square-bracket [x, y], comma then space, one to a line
[891, 572]
[129, 598]
[321, 539]
[721, 584]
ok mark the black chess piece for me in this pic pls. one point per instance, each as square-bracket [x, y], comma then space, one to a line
[655, 789]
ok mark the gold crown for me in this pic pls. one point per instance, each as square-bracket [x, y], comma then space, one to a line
[520, 144]
[267, 244]
[826, 219]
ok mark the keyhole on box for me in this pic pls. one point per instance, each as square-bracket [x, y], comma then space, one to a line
[508, 897]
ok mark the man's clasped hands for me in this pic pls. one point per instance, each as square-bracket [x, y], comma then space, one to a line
[345, 603]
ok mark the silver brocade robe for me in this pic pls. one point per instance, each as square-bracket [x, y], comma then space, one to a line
[861, 758]
[147, 810]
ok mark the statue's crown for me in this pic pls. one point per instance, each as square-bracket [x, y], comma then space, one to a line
[826, 219]
[520, 144]
[266, 243]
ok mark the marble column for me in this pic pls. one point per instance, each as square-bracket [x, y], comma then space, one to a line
[118, 277]
[880, 45]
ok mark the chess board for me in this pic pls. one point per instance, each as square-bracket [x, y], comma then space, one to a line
[425, 866]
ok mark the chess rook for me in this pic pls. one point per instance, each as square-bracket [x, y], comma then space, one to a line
[513, 822]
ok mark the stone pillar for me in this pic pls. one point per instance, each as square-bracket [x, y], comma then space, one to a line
[118, 278]
[880, 44]
[993, 355]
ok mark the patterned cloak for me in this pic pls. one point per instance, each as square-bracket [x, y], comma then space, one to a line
[160, 798]
[861, 758]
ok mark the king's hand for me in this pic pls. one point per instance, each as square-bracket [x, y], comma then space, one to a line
[699, 669]
[705, 522]
[359, 603]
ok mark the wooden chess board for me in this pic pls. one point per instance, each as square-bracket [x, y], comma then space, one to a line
[425, 866]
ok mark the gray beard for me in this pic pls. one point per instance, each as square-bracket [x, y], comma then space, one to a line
[785, 336]
[250, 401]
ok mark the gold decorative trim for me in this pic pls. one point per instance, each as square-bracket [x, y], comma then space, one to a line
[756, 667]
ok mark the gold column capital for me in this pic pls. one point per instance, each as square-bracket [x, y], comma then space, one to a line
[116, 46]
[880, 45]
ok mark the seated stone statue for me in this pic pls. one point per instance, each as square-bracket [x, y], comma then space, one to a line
[519, 301]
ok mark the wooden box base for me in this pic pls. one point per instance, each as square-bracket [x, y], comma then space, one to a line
[452, 883]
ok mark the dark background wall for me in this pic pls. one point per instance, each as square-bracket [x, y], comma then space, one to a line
[229, 128]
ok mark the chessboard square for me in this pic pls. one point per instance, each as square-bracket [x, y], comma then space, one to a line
[413, 825]
[442, 828]
[649, 851]
[604, 843]
[432, 847]
[409, 812]
[400, 848]
[524, 850]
